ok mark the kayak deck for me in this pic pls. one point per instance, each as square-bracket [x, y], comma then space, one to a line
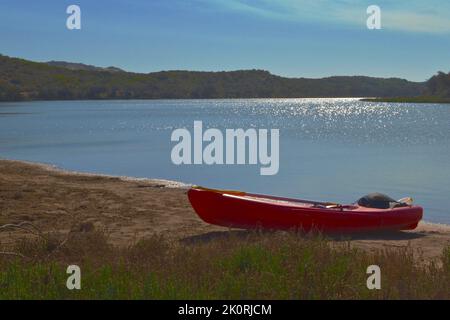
[291, 202]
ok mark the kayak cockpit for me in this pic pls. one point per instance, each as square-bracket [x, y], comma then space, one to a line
[296, 203]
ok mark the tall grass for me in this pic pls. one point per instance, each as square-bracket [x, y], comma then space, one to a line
[244, 266]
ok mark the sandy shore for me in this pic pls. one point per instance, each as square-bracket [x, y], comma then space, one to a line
[131, 209]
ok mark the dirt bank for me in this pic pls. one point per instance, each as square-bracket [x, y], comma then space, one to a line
[132, 209]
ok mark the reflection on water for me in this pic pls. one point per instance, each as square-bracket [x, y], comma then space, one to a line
[330, 149]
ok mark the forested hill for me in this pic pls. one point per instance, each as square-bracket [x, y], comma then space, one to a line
[439, 85]
[25, 80]
[82, 66]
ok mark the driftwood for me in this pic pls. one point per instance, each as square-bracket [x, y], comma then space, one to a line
[34, 230]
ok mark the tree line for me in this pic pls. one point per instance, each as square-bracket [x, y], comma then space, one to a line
[26, 80]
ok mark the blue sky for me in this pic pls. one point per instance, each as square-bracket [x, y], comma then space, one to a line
[294, 38]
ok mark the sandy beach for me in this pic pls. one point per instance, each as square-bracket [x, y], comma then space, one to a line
[128, 210]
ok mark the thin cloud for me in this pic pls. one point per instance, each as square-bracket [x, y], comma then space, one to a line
[410, 16]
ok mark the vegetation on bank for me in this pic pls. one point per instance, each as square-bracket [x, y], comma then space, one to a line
[437, 90]
[420, 99]
[237, 266]
[25, 80]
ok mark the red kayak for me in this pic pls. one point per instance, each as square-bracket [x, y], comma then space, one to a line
[245, 210]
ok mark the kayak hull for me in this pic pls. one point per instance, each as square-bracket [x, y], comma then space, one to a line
[252, 211]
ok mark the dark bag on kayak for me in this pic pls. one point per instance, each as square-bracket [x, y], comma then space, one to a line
[379, 201]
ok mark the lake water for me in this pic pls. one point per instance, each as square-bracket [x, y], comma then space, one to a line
[330, 149]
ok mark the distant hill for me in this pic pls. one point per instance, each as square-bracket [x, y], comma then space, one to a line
[81, 66]
[26, 80]
[439, 85]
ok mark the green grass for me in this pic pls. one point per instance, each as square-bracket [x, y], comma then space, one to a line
[249, 266]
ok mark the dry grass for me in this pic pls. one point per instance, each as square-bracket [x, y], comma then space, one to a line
[239, 265]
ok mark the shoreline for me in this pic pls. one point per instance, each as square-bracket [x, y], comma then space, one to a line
[56, 169]
[178, 99]
[130, 209]
[165, 183]
[419, 100]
